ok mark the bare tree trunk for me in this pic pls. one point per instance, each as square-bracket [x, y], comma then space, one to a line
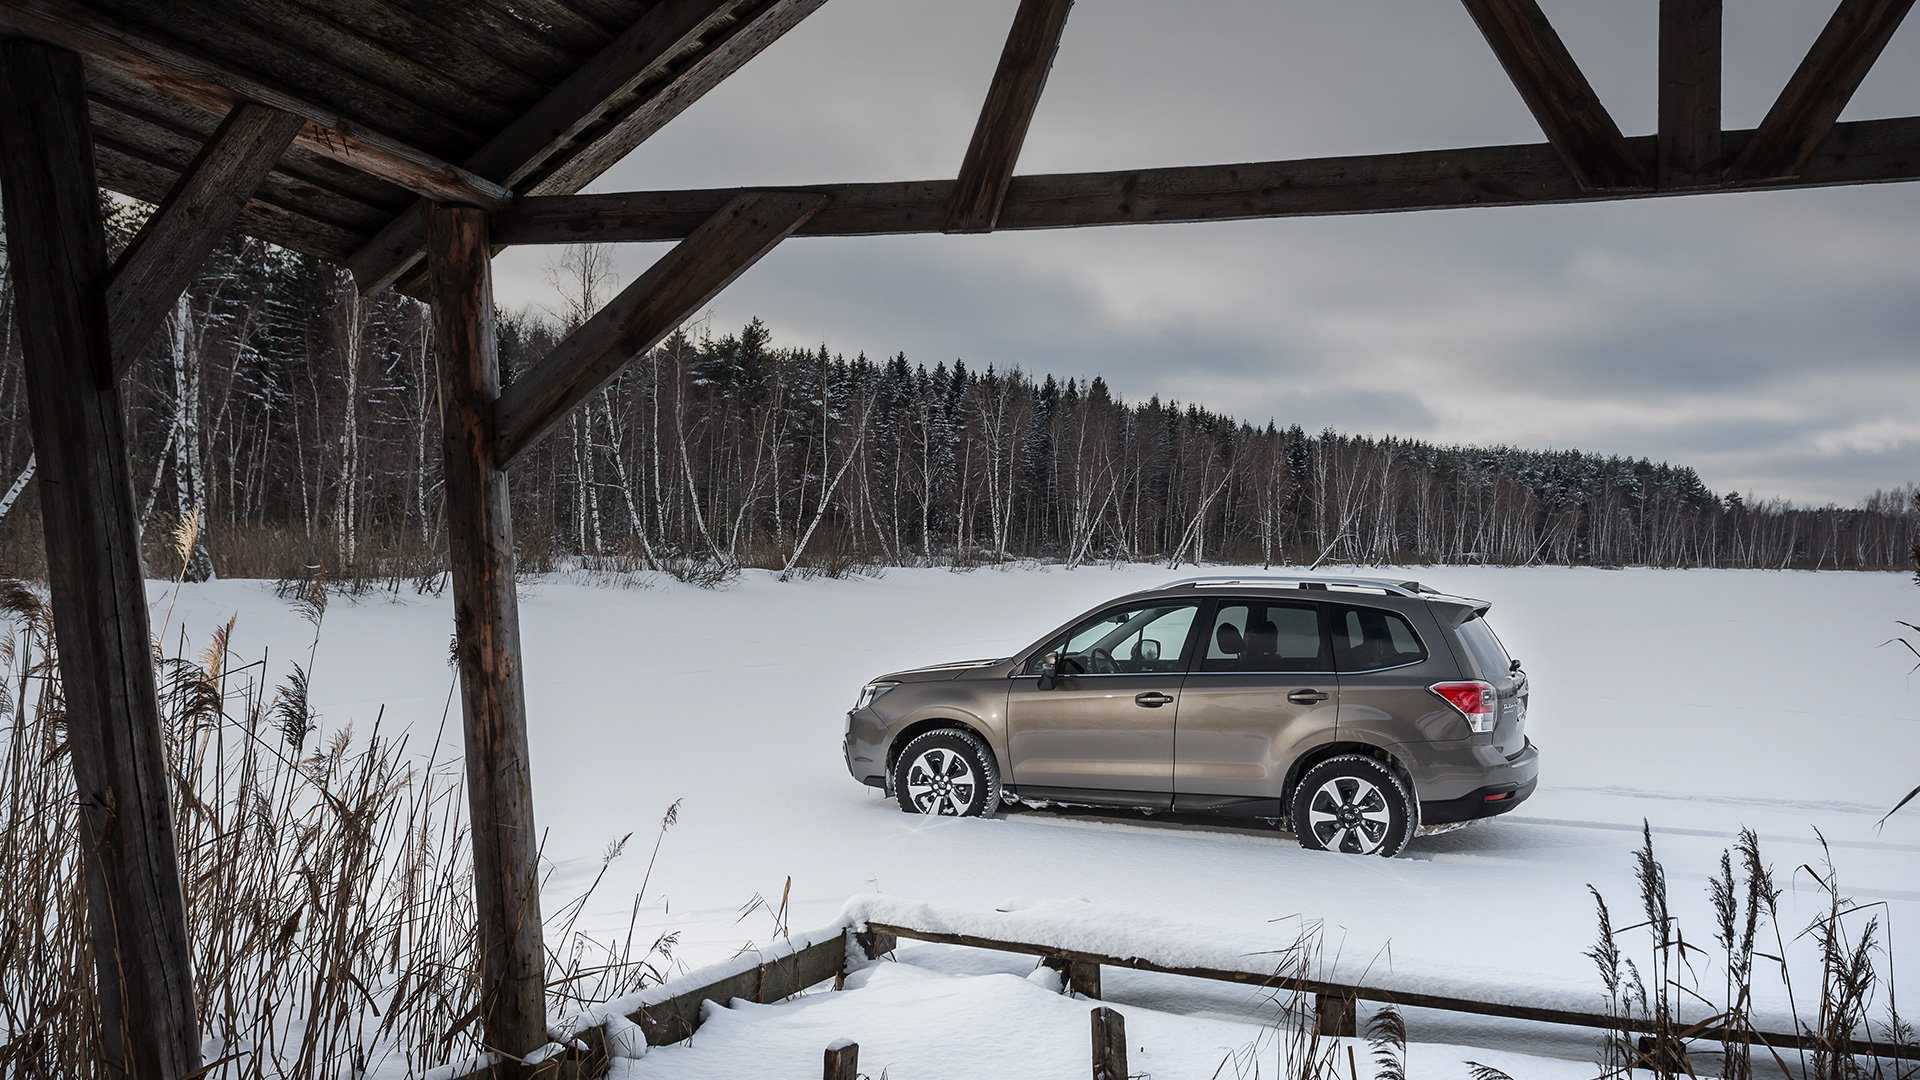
[19, 485]
[189, 478]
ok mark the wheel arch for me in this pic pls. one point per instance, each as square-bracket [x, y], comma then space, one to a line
[1338, 748]
[912, 731]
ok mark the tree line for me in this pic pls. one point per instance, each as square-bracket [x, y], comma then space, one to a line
[283, 426]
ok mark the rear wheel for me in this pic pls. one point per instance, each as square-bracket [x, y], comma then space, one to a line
[1354, 805]
[949, 772]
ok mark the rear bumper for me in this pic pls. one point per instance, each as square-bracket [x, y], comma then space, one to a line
[1482, 803]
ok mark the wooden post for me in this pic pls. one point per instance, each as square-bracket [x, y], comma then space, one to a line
[486, 618]
[1336, 1016]
[1109, 1045]
[1689, 93]
[1081, 976]
[875, 944]
[843, 1060]
[136, 915]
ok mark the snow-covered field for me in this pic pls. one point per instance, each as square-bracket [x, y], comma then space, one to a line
[1700, 701]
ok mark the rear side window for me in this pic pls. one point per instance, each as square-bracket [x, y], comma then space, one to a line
[1369, 639]
[1489, 656]
[1254, 636]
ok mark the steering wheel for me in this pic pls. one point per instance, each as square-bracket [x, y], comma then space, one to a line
[1102, 662]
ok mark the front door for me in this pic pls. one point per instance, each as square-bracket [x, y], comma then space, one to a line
[1103, 733]
[1262, 692]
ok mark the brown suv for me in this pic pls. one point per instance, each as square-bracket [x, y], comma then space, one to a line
[1355, 710]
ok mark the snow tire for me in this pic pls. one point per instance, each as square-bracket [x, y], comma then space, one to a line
[948, 772]
[1355, 805]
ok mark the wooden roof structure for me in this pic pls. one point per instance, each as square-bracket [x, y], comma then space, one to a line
[407, 139]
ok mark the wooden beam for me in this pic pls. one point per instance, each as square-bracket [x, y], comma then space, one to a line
[1689, 92]
[657, 302]
[215, 88]
[486, 619]
[136, 917]
[1820, 89]
[1006, 114]
[1866, 152]
[651, 73]
[1557, 93]
[170, 248]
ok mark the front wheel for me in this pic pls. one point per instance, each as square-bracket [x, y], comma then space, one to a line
[949, 772]
[1354, 805]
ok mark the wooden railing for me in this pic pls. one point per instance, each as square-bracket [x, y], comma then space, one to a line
[675, 1018]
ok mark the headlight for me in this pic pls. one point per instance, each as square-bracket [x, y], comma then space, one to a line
[871, 692]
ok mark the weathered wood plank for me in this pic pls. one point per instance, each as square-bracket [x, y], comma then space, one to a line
[678, 1018]
[172, 149]
[470, 61]
[1866, 152]
[132, 175]
[647, 76]
[167, 252]
[136, 917]
[1557, 93]
[486, 618]
[671, 290]
[214, 88]
[1819, 90]
[1001, 131]
[1689, 138]
[243, 40]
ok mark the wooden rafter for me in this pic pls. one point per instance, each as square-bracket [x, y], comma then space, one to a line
[1006, 115]
[1866, 152]
[1557, 93]
[1820, 89]
[216, 88]
[624, 94]
[1690, 137]
[719, 250]
[164, 256]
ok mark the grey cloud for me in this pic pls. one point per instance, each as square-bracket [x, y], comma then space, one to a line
[1756, 337]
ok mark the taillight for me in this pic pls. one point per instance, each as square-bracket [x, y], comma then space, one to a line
[1477, 701]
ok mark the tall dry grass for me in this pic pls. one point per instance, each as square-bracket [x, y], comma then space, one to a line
[328, 886]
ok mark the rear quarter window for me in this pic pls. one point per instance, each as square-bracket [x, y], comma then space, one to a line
[1371, 639]
[1489, 657]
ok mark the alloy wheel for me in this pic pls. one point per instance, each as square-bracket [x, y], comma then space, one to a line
[1350, 815]
[941, 781]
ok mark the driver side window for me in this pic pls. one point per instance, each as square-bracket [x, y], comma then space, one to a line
[1146, 638]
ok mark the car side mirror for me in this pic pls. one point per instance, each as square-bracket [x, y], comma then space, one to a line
[1049, 670]
[1149, 650]
[1515, 666]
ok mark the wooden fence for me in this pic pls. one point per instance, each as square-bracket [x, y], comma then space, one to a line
[676, 1017]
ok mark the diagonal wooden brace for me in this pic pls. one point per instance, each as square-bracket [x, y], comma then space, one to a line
[647, 311]
[1557, 93]
[1005, 116]
[163, 259]
[1819, 90]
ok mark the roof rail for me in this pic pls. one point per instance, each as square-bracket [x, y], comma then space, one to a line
[1396, 588]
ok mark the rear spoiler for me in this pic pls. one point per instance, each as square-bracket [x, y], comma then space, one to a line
[1455, 610]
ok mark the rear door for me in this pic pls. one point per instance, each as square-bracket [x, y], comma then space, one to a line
[1104, 732]
[1261, 692]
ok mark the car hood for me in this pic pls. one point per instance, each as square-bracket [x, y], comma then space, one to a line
[938, 672]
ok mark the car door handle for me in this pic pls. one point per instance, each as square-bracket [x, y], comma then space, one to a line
[1307, 697]
[1152, 699]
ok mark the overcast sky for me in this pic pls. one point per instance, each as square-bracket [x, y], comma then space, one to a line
[1770, 340]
